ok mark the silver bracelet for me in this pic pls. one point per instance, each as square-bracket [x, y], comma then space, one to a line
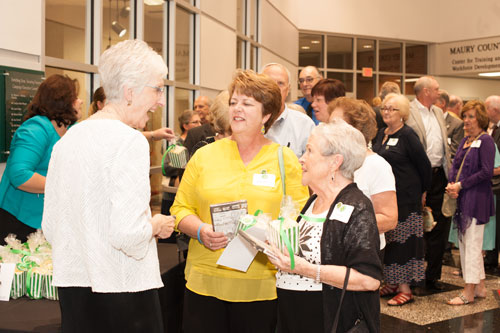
[318, 274]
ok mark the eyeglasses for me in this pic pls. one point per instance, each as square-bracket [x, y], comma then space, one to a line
[159, 90]
[388, 109]
[308, 79]
[195, 122]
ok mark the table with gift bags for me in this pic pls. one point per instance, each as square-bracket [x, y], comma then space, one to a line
[33, 304]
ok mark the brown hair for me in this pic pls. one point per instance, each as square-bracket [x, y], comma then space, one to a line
[260, 87]
[99, 96]
[358, 114]
[481, 115]
[184, 119]
[54, 99]
[329, 88]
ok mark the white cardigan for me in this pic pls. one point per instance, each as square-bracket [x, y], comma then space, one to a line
[96, 211]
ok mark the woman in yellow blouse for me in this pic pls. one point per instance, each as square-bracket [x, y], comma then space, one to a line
[219, 299]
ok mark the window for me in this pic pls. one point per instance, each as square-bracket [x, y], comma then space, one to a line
[389, 57]
[183, 45]
[366, 53]
[339, 52]
[386, 63]
[310, 50]
[153, 26]
[65, 30]
[116, 20]
[416, 58]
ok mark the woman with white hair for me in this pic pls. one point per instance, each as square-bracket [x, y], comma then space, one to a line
[404, 252]
[338, 232]
[96, 213]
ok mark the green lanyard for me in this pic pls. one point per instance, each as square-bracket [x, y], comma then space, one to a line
[313, 219]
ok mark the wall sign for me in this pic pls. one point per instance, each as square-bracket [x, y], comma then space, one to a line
[17, 89]
[476, 56]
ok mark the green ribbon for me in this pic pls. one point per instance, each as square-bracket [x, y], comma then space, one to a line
[313, 219]
[284, 237]
[249, 224]
[164, 156]
[26, 253]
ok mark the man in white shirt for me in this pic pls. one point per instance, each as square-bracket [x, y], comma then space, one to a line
[291, 128]
[428, 122]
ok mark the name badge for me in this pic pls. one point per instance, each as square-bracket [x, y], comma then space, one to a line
[392, 141]
[449, 141]
[476, 144]
[342, 212]
[264, 179]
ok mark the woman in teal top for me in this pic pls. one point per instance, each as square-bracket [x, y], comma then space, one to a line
[52, 111]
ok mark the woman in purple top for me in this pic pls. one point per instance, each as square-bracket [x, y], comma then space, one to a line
[475, 197]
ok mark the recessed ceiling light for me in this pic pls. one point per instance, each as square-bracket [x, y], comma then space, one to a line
[315, 42]
[367, 46]
[305, 47]
[491, 74]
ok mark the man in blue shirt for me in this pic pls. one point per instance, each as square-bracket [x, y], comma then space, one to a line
[308, 77]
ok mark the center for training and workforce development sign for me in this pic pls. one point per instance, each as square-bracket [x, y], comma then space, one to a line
[476, 56]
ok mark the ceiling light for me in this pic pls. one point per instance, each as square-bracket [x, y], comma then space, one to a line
[153, 2]
[367, 46]
[118, 28]
[491, 74]
[412, 80]
[305, 47]
[315, 42]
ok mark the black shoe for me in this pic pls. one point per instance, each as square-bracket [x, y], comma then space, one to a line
[433, 285]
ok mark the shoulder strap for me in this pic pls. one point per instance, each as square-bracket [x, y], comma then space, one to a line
[467, 152]
[282, 168]
[337, 315]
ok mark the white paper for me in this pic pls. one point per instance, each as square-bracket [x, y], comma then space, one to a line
[238, 254]
[6, 277]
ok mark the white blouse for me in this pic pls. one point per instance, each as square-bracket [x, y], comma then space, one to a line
[96, 213]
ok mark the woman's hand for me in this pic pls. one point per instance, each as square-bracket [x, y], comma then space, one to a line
[163, 133]
[163, 225]
[211, 239]
[282, 261]
[452, 189]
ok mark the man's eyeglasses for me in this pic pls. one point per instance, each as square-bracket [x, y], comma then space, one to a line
[388, 109]
[195, 122]
[308, 79]
[159, 90]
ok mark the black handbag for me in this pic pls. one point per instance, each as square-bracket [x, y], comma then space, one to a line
[360, 324]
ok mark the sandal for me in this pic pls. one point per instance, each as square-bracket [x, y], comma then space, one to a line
[388, 290]
[462, 298]
[401, 299]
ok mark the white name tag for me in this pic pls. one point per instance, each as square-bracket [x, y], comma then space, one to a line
[264, 179]
[449, 141]
[476, 144]
[342, 212]
[392, 141]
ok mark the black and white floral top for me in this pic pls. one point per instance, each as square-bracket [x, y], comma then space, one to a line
[310, 231]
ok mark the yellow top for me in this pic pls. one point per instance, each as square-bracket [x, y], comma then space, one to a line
[216, 174]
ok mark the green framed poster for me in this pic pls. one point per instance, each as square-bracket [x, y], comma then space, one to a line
[17, 89]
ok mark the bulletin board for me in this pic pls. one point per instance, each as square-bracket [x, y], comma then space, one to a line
[17, 89]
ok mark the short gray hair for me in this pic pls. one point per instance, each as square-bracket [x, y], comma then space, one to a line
[132, 64]
[338, 137]
[423, 82]
[219, 113]
[387, 88]
[276, 64]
